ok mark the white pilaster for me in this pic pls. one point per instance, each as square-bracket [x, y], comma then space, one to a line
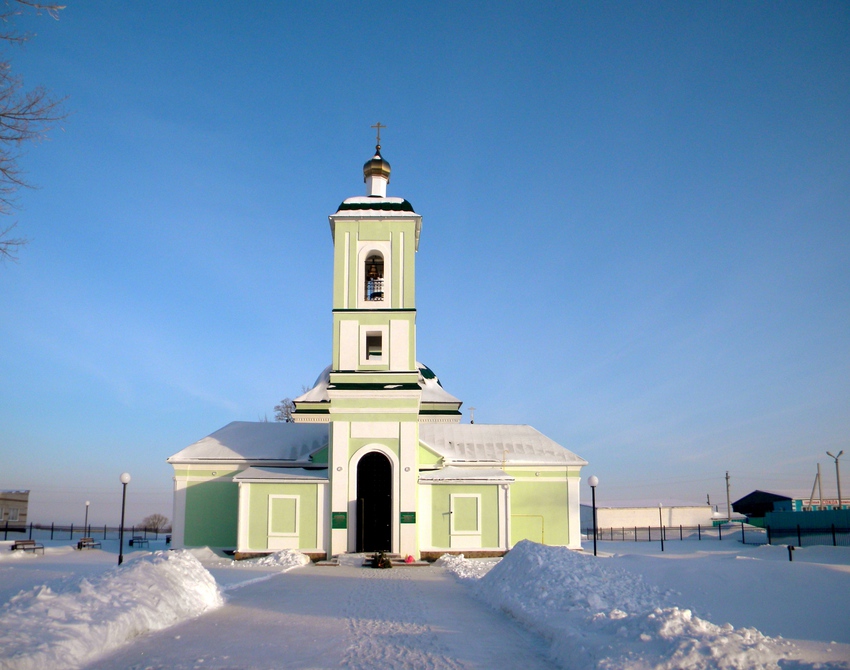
[423, 517]
[408, 447]
[178, 527]
[574, 518]
[243, 519]
[338, 475]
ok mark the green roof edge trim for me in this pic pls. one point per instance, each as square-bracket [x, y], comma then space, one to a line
[403, 206]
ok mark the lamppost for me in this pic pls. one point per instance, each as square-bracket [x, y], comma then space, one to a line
[86, 522]
[593, 480]
[661, 527]
[125, 479]
[837, 474]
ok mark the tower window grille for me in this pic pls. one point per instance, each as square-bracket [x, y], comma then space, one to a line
[375, 277]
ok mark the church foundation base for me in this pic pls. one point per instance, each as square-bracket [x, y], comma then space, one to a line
[468, 553]
[243, 555]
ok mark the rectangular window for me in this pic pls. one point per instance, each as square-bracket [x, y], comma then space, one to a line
[13, 514]
[373, 346]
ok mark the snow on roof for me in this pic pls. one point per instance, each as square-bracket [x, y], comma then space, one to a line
[281, 474]
[369, 205]
[371, 199]
[319, 392]
[432, 390]
[257, 441]
[455, 474]
[495, 443]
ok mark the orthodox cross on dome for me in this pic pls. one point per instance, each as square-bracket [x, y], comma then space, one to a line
[378, 141]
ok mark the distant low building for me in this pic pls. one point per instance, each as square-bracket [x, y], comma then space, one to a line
[641, 517]
[13, 508]
[817, 505]
[755, 505]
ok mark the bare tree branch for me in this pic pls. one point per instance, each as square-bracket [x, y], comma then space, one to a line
[9, 245]
[25, 116]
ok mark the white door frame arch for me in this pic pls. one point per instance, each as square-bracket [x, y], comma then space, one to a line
[353, 464]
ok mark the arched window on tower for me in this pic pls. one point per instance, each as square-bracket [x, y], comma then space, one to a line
[375, 277]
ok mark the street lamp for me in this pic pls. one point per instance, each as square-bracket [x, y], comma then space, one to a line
[837, 474]
[125, 479]
[593, 480]
[661, 527]
[86, 522]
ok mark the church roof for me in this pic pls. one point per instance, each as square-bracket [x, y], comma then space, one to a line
[432, 390]
[494, 443]
[257, 441]
[371, 205]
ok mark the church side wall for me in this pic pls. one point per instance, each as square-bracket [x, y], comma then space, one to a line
[540, 507]
[205, 506]
[211, 514]
[452, 523]
[284, 516]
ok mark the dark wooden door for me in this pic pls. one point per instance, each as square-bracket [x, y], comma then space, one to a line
[374, 503]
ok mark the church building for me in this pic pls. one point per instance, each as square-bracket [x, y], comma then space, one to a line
[376, 456]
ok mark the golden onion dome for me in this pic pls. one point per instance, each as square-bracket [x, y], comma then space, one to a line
[376, 166]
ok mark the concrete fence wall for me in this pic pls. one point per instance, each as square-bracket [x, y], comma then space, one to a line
[629, 517]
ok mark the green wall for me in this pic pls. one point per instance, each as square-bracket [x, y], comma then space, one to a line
[440, 517]
[539, 512]
[259, 513]
[211, 514]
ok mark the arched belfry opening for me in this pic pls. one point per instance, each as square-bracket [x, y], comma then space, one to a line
[374, 277]
[374, 503]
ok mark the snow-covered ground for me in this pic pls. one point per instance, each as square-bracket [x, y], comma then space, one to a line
[698, 605]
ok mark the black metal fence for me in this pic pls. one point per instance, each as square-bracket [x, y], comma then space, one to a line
[70, 531]
[657, 533]
[798, 536]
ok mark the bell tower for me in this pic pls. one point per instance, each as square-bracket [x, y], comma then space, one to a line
[374, 298]
[373, 395]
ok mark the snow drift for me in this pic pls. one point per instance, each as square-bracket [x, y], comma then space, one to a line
[43, 628]
[598, 616]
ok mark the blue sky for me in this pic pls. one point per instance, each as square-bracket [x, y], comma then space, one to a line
[636, 232]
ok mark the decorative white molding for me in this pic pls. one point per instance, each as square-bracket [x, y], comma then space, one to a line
[374, 429]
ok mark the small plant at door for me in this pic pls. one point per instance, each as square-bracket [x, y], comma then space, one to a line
[381, 560]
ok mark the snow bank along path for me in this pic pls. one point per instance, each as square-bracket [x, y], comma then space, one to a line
[42, 628]
[341, 617]
[598, 616]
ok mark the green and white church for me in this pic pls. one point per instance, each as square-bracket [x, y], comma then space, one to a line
[376, 456]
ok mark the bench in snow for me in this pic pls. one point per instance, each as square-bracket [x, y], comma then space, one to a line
[139, 541]
[88, 543]
[27, 545]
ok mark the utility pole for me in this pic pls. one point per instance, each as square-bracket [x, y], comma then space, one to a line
[816, 485]
[837, 475]
[728, 499]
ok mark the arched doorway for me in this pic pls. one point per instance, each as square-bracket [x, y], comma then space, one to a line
[374, 503]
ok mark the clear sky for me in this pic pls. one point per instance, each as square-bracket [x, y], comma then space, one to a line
[636, 232]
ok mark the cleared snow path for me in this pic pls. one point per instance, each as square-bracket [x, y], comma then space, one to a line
[416, 618]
